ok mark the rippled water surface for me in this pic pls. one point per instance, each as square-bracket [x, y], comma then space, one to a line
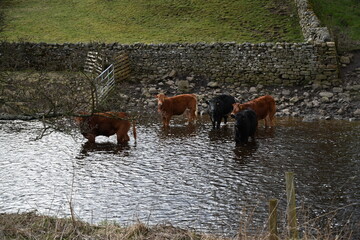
[189, 176]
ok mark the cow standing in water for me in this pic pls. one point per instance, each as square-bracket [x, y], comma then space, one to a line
[105, 124]
[264, 108]
[245, 125]
[219, 107]
[176, 105]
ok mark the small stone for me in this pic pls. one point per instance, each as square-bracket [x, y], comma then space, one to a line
[326, 94]
[183, 85]
[213, 84]
[294, 99]
[172, 73]
[153, 90]
[170, 82]
[151, 104]
[338, 90]
[252, 90]
[357, 112]
[285, 92]
[344, 60]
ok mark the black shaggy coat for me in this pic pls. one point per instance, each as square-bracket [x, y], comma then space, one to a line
[245, 125]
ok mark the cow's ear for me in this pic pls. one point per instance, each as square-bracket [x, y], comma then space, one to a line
[156, 96]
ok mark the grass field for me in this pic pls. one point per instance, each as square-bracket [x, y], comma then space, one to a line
[342, 18]
[150, 21]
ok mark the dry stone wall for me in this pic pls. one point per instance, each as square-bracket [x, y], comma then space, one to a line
[310, 24]
[264, 63]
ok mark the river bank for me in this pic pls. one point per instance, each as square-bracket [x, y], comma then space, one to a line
[310, 102]
[26, 94]
[33, 226]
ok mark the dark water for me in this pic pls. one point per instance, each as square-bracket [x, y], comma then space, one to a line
[189, 176]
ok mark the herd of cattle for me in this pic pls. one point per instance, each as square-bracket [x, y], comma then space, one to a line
[246, 116]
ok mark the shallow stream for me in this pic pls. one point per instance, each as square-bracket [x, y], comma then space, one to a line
[189, 176]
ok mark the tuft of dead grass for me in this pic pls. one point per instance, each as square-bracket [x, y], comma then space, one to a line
[33, 226]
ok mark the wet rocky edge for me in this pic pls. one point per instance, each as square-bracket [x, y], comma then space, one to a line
[31, 96]
[310, 102]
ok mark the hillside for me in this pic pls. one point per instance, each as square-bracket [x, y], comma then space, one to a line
[149, 21]
[343, 20]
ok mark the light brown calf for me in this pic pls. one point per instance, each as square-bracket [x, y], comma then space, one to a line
[176, 105]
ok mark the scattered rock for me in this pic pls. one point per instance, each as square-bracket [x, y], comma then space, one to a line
[183, 86]
[213, 84]
[285, 92]
[326, 94]
[151, 104]
[252, 90]
[172, 73]
[338, 90]
[153, 90]
[345, 60]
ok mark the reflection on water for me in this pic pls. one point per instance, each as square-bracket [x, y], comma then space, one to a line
[102, 147]
[189, 175]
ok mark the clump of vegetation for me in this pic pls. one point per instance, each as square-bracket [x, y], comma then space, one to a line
[33, 226]
[343, 20]
[150, 21]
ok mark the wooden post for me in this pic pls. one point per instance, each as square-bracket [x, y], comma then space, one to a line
[273, 219]
[291, 206]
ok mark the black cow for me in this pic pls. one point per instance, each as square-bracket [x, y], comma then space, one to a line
[219, 107]
[245, 125]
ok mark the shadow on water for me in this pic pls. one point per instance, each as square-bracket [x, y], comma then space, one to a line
[244, 152]
[104, 148]
[177, 131]
[223, 134]
[263, 133]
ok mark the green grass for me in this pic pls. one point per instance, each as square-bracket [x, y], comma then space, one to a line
[342, 18]
[150, 21]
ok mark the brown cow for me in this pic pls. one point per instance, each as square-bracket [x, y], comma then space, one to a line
[264, 108]
[169, 106]
[105, 124]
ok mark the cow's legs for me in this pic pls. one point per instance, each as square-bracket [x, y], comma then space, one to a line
[225, 119]
[218, 122]
[192, 115]
[166, 121]
[122, 138]
[272, 124]
[90, 138]
[267, 121]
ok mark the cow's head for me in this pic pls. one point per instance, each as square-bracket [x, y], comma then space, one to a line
[82, 120]
[161, 98]
[237, 107]
[80, 117]
[213, 106]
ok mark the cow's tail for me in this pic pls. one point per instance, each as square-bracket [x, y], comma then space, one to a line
[134, 129]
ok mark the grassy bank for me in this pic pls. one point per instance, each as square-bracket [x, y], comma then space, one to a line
[153, 21]
[33, 226]
[343, 20]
